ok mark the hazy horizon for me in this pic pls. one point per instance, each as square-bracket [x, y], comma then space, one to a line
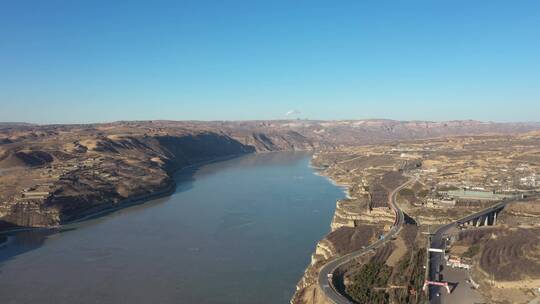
[265, 120]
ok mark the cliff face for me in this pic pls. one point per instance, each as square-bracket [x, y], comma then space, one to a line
[350, 231]
[87, 173]
[360, 218]
[274, 141]
[181, 151]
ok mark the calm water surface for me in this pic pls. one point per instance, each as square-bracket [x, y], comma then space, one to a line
[238, 231]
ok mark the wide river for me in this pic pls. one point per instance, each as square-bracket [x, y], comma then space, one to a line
[236, 231]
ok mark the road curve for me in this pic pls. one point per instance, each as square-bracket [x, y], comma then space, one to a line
[326, 285]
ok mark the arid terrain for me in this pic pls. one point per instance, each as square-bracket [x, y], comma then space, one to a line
[454, 177]
[54, 174]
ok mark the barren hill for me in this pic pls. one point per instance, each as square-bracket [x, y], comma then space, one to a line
[50, 174]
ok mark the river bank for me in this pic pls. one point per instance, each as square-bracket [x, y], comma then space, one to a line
[324, 250]
[244, 226]
[130, 201]
[356, 223]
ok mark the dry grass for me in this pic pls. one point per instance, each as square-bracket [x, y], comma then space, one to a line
[347, 239]
[505, 254]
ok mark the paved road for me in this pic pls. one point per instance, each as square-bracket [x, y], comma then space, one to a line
[329, 268]
[436, 259]
[463, 293]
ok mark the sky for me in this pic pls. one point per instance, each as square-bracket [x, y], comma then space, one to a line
[78, 61]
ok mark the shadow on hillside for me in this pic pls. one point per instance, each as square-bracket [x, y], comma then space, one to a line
[16, 240]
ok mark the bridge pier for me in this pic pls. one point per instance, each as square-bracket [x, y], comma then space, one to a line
[488, 219]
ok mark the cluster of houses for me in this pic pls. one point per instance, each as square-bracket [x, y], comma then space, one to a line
[37, 192]
[458, 262]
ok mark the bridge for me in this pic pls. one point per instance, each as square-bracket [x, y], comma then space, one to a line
[486, 217]
[435, 258]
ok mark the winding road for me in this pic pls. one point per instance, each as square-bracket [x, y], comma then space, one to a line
[325, 284]
[436, 260]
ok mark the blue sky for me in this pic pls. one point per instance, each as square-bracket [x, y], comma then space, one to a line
[93, 61]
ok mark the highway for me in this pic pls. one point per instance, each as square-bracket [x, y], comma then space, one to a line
[326, 285]
[437, 260]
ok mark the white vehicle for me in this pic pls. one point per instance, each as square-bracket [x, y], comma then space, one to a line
[329, 276]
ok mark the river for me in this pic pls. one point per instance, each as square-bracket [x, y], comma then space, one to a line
[236, 231]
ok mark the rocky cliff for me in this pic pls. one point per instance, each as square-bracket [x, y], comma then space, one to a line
[353, 226]
[51, 175]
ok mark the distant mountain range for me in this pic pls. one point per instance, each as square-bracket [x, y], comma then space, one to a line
[270, 135]
[89, 168]
[354, 132]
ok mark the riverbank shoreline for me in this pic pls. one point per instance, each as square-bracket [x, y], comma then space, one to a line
[302, 281]
[128, 202]
[230, 220]
[318, 171]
